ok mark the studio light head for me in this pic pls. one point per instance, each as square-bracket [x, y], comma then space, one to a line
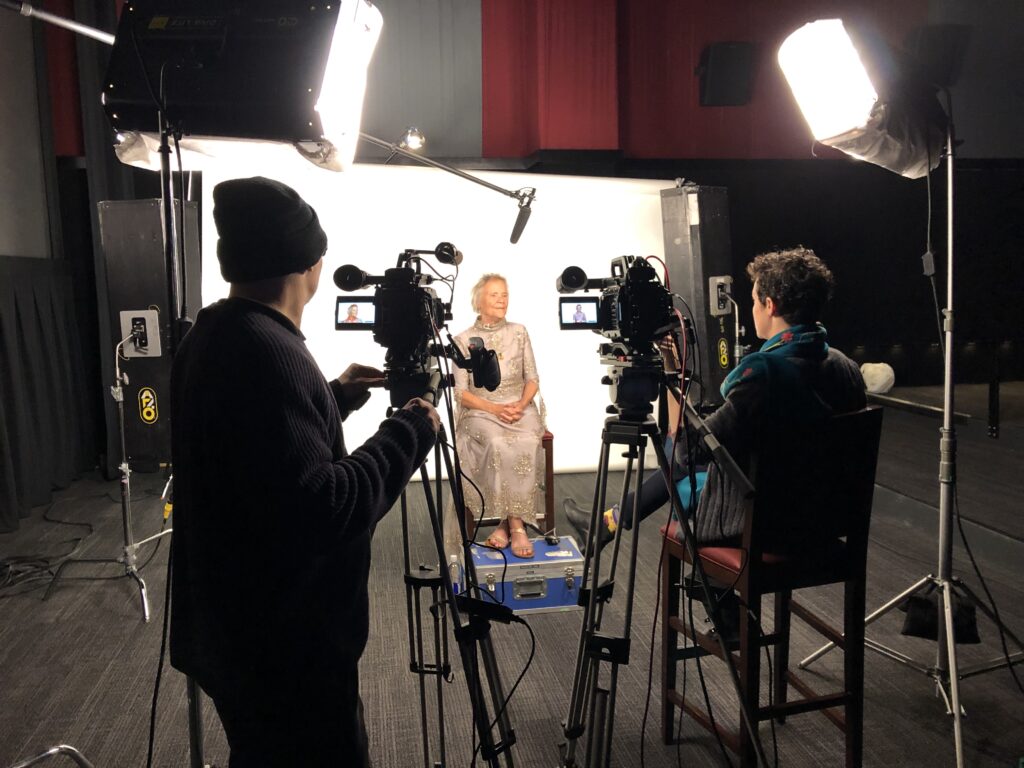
[873, 111]
[260, 70]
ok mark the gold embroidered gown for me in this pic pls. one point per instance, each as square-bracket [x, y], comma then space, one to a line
[504, 461]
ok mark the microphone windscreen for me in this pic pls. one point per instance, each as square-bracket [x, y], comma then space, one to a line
[447, 253]
[349, 277]
[520, 225]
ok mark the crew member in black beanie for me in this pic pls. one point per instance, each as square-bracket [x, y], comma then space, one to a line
[272, 516]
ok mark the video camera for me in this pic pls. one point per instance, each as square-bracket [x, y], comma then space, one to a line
[406, 318]
[634, 307]
[634, 311]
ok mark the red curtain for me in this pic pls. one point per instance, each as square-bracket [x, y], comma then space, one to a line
[550, 76]
[620, 74]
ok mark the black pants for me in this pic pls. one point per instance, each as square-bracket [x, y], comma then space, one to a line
[294, 722]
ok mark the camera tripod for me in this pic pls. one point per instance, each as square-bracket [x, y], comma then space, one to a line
[470, 618]
[631, 430]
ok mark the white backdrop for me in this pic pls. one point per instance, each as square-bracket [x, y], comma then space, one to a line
[372, 213]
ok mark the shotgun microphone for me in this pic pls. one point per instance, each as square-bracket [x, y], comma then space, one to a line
[526, 196]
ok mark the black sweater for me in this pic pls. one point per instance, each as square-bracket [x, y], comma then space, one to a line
[754, 417]
[272, 517]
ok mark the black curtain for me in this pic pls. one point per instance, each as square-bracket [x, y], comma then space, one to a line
[45, 425]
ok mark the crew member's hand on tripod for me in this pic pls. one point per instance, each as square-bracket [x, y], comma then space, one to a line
[426, 410]
[357, 379]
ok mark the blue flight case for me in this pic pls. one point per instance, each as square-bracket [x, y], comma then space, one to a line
[548, 582]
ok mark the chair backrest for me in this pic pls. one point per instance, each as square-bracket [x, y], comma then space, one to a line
[815, 487]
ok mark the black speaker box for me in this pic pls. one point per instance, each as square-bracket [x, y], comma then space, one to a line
[133, 252]
[695, 224]
[725, 74]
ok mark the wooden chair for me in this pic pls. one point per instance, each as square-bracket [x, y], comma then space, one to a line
[545, 523]
[806, 526]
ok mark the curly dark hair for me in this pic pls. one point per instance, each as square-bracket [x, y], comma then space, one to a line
[797, 281]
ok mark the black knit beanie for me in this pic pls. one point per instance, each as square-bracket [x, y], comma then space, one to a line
[265, 229]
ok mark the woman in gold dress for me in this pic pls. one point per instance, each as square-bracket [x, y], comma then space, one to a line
[499, 433]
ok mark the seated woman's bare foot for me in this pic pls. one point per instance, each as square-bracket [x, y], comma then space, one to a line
[522, 547]
[499, 537]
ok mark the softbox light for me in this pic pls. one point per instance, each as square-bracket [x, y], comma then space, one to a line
[257, 70]
[897, 124]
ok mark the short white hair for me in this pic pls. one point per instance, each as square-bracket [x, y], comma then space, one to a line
[478, 289]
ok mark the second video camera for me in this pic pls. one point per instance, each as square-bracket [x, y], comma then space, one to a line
[634, 308]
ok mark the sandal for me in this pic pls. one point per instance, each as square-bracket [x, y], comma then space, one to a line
[522, 551]
[499, 538]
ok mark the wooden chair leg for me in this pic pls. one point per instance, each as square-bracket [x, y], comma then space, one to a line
[671, 576]
[853, 669]
[782, 624]
[750, 673]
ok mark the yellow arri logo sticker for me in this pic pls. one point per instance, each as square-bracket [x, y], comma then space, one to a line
[723, 353]
[147, 406]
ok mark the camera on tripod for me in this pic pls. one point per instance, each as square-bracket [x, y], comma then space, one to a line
[634, 311]
[406, 317]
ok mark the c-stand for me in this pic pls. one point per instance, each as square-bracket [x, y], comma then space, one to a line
[128, 558]
[470, 617]
[635, 387]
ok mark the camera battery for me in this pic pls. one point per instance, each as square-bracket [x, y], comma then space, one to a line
[547, 582]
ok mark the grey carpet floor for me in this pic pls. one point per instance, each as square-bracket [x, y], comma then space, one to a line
[80, 667]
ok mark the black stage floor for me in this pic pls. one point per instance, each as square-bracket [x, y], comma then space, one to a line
[80, 667]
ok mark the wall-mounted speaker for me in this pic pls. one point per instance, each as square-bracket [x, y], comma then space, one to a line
[725, 73]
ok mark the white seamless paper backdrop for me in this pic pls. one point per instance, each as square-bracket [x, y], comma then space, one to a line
[372, 213]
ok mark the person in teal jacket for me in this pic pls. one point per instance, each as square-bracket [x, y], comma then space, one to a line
[790, 386]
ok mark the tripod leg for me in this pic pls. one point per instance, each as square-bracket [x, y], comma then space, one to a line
[954, 679]
[441, 659]
[876, 614]
[142, 593]
[420, 666]
[195, 723]
[582, 677]
[497, 694]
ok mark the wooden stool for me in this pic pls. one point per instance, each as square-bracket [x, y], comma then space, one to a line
[825, 498]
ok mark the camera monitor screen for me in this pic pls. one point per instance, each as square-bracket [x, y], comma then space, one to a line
[578, 313]
[354, 313]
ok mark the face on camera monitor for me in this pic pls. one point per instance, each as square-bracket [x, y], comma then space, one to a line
[354, 313]
[578, 313]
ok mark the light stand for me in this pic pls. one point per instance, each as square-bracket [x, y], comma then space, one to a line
[946, 672]
[903, 133]
[129, 557]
